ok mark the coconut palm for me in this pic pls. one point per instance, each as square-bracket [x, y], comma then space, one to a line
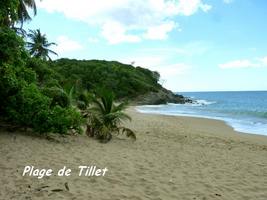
[39, 45]
[23, 14]
[105, 118]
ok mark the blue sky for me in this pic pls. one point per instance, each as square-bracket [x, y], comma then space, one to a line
[196, 45]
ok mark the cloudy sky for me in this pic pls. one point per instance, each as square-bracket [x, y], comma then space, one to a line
[196, 45]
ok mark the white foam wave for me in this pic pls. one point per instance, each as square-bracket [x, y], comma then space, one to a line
[202, 102]
[151, 106]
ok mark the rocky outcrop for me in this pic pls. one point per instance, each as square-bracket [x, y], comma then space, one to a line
[163, 96]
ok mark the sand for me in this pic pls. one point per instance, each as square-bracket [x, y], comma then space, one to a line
[173, 158]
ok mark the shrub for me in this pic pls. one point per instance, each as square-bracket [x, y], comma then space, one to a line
[10, 85]
[58, 120]
[26, 105]
[31, 108]
[58, 96]
[21, 100]
[12, 49]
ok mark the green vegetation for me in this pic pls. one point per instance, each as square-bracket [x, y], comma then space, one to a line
[15, 11]
[60, 96]
[104, 118]
[23, 101]
[125, 81]
[33, 94]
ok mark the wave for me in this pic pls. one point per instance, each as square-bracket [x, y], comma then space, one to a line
[242, 121]
[202, 102]
[247, 126]
[247, 113]
[151, 106]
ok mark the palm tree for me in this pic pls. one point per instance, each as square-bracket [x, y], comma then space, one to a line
[39, 45]
[23, 14]
[105, 118]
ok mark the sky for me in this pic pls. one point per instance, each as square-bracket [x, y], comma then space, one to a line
[196, 45]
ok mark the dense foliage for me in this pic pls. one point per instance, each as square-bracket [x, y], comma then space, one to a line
[125, 81]
[12, 49]
[24, 101]
[8, 12]
[15, 11]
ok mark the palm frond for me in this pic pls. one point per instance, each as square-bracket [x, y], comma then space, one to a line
[50, 51]
[31, 4]
[22, 10]
[120, 107]
[98, 107]
[105, 116]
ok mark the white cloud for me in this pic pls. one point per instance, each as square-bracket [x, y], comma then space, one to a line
[159, 32]
[116, 33]
[65, 44]
[189, 7]
[127, 16]
[260, 62]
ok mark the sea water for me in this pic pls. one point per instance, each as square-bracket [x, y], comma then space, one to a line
[244, 111]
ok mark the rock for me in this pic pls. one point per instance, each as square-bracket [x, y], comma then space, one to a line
[163, 96]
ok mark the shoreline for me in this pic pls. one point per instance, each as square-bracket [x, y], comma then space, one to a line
[228, 130]
[228, 121]
[173, 158]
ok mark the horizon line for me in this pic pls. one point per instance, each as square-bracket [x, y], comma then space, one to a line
[224, 91]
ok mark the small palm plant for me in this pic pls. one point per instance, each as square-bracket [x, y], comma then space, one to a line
[105, 118]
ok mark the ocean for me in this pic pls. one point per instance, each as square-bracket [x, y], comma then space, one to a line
[244, 111]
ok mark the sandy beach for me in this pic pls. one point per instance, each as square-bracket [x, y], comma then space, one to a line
[173, 158]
